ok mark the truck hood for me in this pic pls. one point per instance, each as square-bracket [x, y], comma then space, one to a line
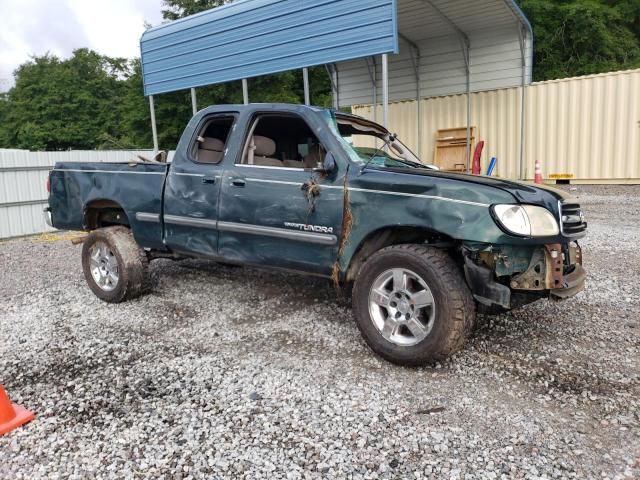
[522, 192]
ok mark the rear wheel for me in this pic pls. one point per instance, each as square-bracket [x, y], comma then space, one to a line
[412, 304]
[114, 266]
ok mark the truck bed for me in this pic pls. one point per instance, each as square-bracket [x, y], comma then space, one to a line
[136, 188]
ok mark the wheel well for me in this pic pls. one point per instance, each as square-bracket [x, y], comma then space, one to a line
[392, 236]
[104, 213]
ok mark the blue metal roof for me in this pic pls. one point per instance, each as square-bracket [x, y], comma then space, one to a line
[248, 38]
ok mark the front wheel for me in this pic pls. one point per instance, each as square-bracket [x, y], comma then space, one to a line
[114, 266]
[412, 304]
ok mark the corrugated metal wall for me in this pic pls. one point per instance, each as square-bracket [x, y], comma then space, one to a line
[586, 126]
[248, 38]
[495, 54]
[23, 177]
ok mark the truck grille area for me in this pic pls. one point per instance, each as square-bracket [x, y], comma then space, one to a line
[573, 222]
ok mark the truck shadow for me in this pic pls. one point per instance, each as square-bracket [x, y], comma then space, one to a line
[258, 285]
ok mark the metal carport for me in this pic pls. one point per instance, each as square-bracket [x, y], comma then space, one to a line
[376, 51]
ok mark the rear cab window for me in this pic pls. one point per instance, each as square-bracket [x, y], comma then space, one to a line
[209, 146]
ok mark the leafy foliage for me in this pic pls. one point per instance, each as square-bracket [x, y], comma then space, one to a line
[57, 103]
[580, 37]
[175, 9]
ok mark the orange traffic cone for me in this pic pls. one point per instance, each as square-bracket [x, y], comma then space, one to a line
[12, 416]
[538, 177]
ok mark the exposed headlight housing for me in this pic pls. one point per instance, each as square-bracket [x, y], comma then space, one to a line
[527, 220]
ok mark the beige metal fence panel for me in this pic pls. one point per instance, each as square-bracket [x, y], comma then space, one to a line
[23, 177]
[496, 114]
[588, 127]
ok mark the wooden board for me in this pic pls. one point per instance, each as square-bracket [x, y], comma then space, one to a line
[450, 153]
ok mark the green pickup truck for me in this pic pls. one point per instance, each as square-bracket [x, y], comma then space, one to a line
[325, 193]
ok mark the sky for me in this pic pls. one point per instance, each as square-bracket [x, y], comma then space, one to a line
[35, 27]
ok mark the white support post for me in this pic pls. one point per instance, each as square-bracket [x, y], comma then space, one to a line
[467, 62]
[385, 90]
[305, 80]
[194, 101]
[154, 130]
[374, 87]
[245, 91]
[333, 78]
[419, 115]
[336, 84]
[523, 100]
[468, 122]
[416, 67]
[415, 62]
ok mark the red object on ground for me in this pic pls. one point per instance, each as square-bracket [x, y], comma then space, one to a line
[475, 166]
[538, 177]
[12, 416]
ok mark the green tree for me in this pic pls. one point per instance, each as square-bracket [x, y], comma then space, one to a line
[60, 104]
[175, 9]
[580, 37]
[134, 116]
[5, 127]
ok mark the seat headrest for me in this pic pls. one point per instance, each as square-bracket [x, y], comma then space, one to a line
[265, 147]
[209, 143]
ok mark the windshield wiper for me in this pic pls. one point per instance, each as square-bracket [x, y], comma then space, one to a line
[387, 143]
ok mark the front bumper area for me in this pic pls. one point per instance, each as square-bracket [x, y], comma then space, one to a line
[506, 277]
[483, 286]
[572, 283]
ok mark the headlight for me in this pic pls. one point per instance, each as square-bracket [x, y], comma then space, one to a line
[527, 220]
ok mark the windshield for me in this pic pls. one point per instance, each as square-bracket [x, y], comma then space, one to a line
[371, 144]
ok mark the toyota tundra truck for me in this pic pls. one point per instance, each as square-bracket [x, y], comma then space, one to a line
[325, 193]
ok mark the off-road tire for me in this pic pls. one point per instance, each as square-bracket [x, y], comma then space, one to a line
[132, 261]
[455, 307]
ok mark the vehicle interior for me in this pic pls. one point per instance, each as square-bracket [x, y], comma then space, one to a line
[211, 142]
[373, 144]
[285, 140]
[282, 141]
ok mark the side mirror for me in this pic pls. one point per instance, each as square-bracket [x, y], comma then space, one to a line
[160, 157]
[328, 165]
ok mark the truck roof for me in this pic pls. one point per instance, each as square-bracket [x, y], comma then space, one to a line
[263, 106]
[285, 107]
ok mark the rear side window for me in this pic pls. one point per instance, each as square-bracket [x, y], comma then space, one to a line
[211, 142]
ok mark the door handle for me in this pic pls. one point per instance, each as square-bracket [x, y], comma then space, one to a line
[208, 179]
[238, 182]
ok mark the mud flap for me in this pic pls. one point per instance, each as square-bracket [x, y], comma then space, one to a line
[485, 290]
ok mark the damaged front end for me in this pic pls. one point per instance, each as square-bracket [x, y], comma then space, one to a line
[506, 276]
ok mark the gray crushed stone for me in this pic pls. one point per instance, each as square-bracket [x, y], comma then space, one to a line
[229, 372]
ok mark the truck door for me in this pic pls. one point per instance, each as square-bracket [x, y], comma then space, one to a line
[193, 187]
[274, 210]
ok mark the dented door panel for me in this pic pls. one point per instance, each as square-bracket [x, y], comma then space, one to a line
[266, 218]
[191, 209]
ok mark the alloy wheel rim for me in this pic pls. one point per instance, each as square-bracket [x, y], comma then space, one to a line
[401, 307]
[104, 267]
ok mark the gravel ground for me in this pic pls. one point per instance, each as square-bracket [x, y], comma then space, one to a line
[238, 373]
